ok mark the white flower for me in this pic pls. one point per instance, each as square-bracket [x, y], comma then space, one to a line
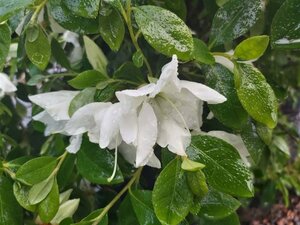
[6, 86]
[56, 114]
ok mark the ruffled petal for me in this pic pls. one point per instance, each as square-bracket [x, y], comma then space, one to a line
[129, 126]
[75, 143]
[52, 126]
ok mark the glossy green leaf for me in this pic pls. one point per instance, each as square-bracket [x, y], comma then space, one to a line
[285, 32]
[255, 94]
[8, 8]
[84, 8]
[231, 113]
[5, 40]
[66, 210]
[10, 211]
[217, 205]
[112, 29]
[252, 48]
[233, 219]
[84, 97]
[129, 72]
[141, 201]
[233, 20]
[172, 198]
[190, 165]
[201, 53]
[89, 78]
[36, 170]
[63, 16]
[126, 214]
[96, 164]
[197, 183]
[138, 59]
[66, 170]
[115, 3]
[21, 193]
[38, 49]
[39, 192]
[48, 208]
[89, 219]
[164, 31]
[224, 169]
[264, 132]
[95, 55]
[59, 54]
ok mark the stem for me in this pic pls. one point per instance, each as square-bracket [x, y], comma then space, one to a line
[115, 199]
[134, 37]
[37, 11]
[61, 160]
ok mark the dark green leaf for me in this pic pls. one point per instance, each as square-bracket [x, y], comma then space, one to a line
[164, 31]
[86, 96]
[66, 170]
[129, 72]
[252, 48]
[255, 94]
[142, 204]
[224, 169]
[112, 29]
[234, 19]
[126, 215]
[88, 220]
[36, 170]
[89, 78]
[59, 54]
[172, 198]
[233, 219]
[201, 53]
[264, 132]
[38, 48]
[96, 164]
[285, 32]
[217, 205]
[231, 113]
[5, 40]
[8, 8]
[21, 193]
[10, 211]
[84, 8]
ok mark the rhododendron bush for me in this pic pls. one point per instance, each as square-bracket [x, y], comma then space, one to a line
[146, 111]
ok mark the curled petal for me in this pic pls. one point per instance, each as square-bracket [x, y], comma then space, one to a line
[75, 143]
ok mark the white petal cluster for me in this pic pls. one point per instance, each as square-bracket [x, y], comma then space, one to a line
[6, 86]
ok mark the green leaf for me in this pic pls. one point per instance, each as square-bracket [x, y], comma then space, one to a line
[39, 192]
[129, 72]
[201, 53]
[10, 211]
[164, 31]
[84, 97]
[112, 29]
[190, 165]
[285, 32]
[115, 3]
[9, 8]
[5, 40]
[89, 78]
[59, 54]
[65, 210]
[38, 49]
[264, 132]
[70, 21]
[48, 208]
[36, 170]
[224, 169]
[231, 113]
[66, 170]
[233, 20]
[84, 8]
[96, 164]
[95, 55]
[21, 193]
[252, 48]
[141, 201]
[126, 215]
[172, 198]
[217, 205]
[233, 219]
[197, 183]
[138, 59]
[255, 94]
[89, 219]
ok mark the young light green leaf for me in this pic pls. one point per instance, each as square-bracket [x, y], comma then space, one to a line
[96, 164]
[36, 170]
[224, 169]
[83, 8]
[164, 31]
[233, 20]
[255, 94]
[231, 113]
[48, 208]
[86, 96]
[285, 32]
[112, 29]
[10, 211]
[95, 55]
[252, 48]
[66, 210]
[5, 40]
[141, 201]
[201, 53]
[197, 183]
[21, 193]
[39, 192]
[138, 59]
[89, 78]
[38, 48]
[172, 198]
[7, 9]
[190, 165]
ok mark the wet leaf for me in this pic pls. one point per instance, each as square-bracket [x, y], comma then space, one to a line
[233, 219]
[8, 8]
[21, 193]
[197, 183]
[84, 8]
[201, 53]
[89, 78]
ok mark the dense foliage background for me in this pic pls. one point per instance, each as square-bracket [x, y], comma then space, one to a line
[102, 46]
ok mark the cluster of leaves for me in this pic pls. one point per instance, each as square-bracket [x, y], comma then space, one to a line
[122, 44]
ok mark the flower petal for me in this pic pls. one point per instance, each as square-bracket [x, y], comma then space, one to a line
[75, 143]
[6, 85]
[55, 103]
[147, 134]
[203, 92]
[225, 62]
[129, 126]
